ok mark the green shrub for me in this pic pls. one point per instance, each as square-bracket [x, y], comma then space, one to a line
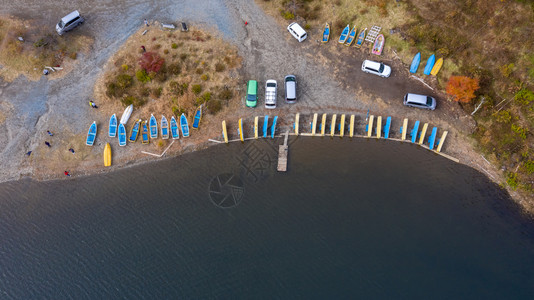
[529, 166]
[156, 92]
[506, 70]
[520, 131]
[161, 77]
[142, 76]
[226, 94]
[196, 88]
[307, 26]
[214, 107]
[183, 56]
[137, 102]
[111, 89]
[178, 88]
[204, 77]
[503, 116]
[524, 97]
[512, 180]
[124, 81]
[174, 46]
[219, 67]
[177, 111]
[125, 67]
[206, 96]
[287, 15]
[174, 69]
[166, 51]
[144, 92]
[199, 71]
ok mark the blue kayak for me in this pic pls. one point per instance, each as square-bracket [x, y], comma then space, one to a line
[430, 64]
[265, 124]
[184, 125]
[153, 125]
[135, 131]
[113, 126]
[415, 62]
[344, 34]
[273, 127]
[122, 135]
[91, 135]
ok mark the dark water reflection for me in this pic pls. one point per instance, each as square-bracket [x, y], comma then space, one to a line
[358, 218]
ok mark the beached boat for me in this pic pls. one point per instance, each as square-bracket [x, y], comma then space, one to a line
[198, 117]
[326, 33]
[126, 114]
[184, 125]
[113, 126]
[107, 155]
[174, 129]
[344, 34]
[135, 131]
[91, 135]
[265, 125]
[361, 37]
[224, 132]
[437, 67]
[256, 127]
[273, 127]
[164, 128]
[415, 63]
[144, 133]
[378, 45]
[240, 130]
[122, 135]
[351, 37]
[429, 64]
[153, 125]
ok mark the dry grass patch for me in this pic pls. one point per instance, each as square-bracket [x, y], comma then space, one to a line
[38, 49]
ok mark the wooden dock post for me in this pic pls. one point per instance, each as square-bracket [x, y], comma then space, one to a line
[423, 133]
[379, 127]
[351, 130]
[441, 141]
[333, 125]
[297, 116]
[282, 155]
[404, 128]
[323, 124]
[370, 125]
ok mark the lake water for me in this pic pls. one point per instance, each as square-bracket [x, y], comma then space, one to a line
[350, 219]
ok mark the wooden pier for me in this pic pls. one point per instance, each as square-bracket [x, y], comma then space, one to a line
[282, 155]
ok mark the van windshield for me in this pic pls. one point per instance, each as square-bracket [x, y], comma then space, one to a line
[61, 24]
[429, 101]
[381, 69]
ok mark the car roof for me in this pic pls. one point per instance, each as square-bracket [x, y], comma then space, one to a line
[252, 87]
[70, 16]
[421, 99]
[372, 64]
[298, 29]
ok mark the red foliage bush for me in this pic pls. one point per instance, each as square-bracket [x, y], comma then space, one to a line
[151, 62]
[462, 88]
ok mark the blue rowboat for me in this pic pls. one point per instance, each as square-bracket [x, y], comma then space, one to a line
[326, 33]
[153, 125]
[429, 64]
[122, 135]
[414, 131]
[184, 125]
[265, 125]
[144, 133]
[135, 131]
[174, 129]
[387, 128]
[415, 62]
[273, 127]
[351, 36]
[344, 34]
[164, 128]
[198, 116]
[91, 135]
[113, 126]
[361, 37]
[432, 138]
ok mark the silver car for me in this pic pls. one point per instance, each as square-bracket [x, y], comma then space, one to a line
[68, 22]
[377, 68]
[420, 101]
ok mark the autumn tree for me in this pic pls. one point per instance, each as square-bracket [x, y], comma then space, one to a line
[462, 88]
[151, 62]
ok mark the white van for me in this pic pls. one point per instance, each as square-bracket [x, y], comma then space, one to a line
[291, 88]
[420, 101]
[68, 22]
[297, 31]
[377, 68]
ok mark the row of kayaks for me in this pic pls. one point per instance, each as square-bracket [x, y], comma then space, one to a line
[147, 129]
[257, 133]
[432, 66]
[350, 37]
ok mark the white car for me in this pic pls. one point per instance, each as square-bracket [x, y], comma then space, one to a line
[297, 32]
[377, 68]
[270, 94]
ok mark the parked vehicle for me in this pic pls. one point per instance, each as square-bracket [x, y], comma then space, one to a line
[377, 68]
[68, 22]
[298, 32]
[421, 101]
[252, 93]
[290, 82]
[270, 94]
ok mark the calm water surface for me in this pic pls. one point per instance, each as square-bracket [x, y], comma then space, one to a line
[360, 218]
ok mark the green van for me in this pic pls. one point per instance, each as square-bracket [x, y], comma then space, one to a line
[252, 93]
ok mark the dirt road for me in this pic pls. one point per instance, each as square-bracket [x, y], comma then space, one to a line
[329, 77]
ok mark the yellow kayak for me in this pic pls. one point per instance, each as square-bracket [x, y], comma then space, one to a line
[107, 155]
[437, 67]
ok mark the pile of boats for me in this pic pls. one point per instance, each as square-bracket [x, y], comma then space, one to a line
[148, 129]
[348, 37]
[432, 66]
